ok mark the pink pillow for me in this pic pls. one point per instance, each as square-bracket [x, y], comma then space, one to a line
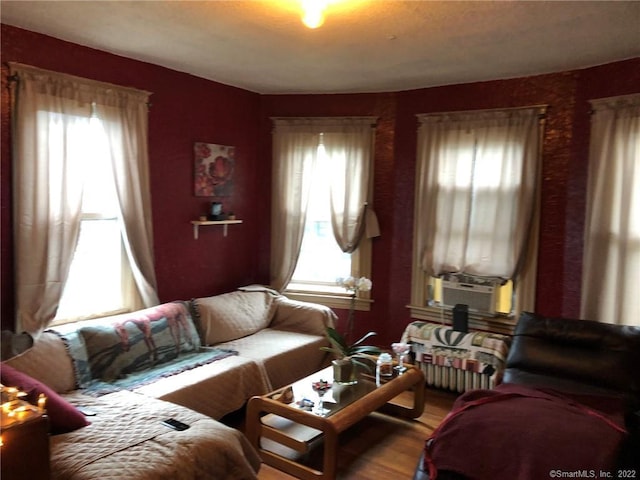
[63, 417]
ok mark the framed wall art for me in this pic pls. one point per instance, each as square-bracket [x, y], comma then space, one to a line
[214, 169]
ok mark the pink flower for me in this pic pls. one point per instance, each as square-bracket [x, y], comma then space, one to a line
[202, 150]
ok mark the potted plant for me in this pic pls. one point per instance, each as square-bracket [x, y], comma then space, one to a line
[344, 366]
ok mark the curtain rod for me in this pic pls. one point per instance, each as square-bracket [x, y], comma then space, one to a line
[372, 119]
[613, 102]
[542, 107]
[15, 78]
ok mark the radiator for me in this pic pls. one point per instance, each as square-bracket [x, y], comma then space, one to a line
[455, 360]
[454, 379]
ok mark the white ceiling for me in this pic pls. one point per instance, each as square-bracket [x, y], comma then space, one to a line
[364, 45]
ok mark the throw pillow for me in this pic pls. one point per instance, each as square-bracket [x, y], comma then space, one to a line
[63, 417]
[233, 315]
[139, 341]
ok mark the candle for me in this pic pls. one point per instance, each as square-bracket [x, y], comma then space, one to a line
[42, 401]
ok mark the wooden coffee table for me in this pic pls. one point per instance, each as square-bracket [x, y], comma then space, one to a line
[272, 422]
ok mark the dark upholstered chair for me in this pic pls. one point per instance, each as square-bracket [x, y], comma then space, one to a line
[575, 357]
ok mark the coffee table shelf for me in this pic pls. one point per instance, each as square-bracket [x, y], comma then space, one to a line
[274, 426]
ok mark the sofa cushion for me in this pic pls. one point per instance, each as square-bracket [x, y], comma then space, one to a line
[302, 317]
[214, 389]
[233, 315]
[63, 417]
[47, 361]
[139, 341]
[285, 356]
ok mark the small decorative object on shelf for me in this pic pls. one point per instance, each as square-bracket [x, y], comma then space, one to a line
[216, 213]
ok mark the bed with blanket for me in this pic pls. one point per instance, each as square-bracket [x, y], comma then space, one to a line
[127, 427]
[568, 408]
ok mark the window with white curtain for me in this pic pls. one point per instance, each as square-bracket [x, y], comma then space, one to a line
[321, 262]
[612, 228]
[99, 276]
[82, 223]
[477, 177]
[321, 207]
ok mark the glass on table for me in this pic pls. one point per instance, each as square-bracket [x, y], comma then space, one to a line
[321, 387]
[401, 349]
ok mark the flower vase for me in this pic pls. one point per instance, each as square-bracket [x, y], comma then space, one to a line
[344, 371]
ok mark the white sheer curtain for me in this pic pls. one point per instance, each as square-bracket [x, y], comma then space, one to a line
[51, 109]
[476, 190]
[294, 155]
[348, 143]
[349, 147]
[124, 117]
[611, 269]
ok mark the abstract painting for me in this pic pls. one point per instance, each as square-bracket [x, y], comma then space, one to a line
[214, 168]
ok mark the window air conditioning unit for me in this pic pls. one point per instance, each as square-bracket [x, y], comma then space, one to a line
[479, 298]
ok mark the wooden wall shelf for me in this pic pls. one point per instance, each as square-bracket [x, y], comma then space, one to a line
[225, 223]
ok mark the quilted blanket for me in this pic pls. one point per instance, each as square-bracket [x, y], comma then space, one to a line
[138, 446]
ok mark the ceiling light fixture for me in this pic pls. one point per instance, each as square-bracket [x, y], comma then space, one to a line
[313, 12]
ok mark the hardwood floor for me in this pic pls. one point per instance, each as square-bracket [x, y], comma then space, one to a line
[380, 446]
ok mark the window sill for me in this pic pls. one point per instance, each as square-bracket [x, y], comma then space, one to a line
[330, 299]
[68, 321]
[498, 324]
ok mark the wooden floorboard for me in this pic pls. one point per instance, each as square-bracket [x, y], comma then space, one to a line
[380, 446]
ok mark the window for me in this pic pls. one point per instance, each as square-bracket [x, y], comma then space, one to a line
[476, 204]
[612, 228]
[321, 262]
[84, 240]
[99, 275]
[322, 219]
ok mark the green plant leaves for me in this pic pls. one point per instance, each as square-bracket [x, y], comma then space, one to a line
[341, 348]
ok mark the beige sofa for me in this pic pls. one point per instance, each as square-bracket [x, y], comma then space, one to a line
[257, 341]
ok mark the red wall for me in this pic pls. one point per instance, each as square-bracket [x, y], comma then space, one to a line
[187, 109]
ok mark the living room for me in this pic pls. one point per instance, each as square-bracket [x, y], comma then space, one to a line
[186, 109]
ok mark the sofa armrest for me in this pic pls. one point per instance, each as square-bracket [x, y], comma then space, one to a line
[302, 317]
[48, 362]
